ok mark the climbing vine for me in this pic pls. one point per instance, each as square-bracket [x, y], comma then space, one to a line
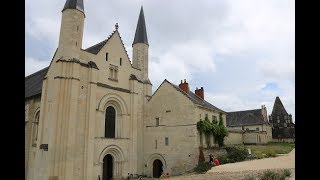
[219, 131]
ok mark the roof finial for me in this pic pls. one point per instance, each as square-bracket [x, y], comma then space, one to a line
[117, 26]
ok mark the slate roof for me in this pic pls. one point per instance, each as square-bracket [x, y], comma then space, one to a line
[195, 98]
[278, 108]
[141, 32]
[33, 83]
[248, 117]
[74, 4]
[97, 47]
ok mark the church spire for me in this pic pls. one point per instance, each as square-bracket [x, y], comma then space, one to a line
[141, 32]
[74, 4]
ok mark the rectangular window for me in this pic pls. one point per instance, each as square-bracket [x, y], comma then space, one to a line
[120, 61]
[157, 121]
[113, 72]
[167, 141]
[156, 144]
[257, 129]
[106, 56]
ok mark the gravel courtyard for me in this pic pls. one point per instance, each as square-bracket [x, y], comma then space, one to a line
[241, 170]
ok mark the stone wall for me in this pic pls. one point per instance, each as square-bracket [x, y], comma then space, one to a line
[233, 138]
[216, 152]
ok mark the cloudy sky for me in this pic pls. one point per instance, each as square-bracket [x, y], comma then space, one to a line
[241, 51]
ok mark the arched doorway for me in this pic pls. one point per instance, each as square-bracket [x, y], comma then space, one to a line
[107, 167]
[110, 122]
[157, 168]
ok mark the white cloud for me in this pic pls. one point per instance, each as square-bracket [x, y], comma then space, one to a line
[33, 65]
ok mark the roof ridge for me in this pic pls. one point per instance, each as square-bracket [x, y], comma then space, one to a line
[100, 43]
[243, 110]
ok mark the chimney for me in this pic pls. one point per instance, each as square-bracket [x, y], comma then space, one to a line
[184, 86]
[199, 92]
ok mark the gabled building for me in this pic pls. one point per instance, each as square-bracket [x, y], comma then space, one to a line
[170, 129]
[90, 114]
[252, 124]
[283, 128]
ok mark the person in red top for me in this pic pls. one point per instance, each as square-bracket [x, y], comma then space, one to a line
[216, 162]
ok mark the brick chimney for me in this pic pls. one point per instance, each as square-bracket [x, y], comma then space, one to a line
[184, 86]
[199, 92]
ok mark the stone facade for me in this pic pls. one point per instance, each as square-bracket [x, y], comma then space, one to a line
[172, 115]
[90, 114]
[253, 125]
[283, 129]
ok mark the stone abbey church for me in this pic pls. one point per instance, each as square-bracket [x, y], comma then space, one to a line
[91, 114]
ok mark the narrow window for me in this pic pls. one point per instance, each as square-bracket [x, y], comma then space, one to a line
[206, 116]
[76, 43]
[115, 74]
[167, 141]
[106, 56]
[35, 129]
[157, 121]
[156, 144]
[110, 122]
[77, 28]
[120, 61]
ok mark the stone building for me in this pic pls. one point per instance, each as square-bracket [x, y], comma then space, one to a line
[170, 130]
[283, 129]
[90, 114]
[248, 127]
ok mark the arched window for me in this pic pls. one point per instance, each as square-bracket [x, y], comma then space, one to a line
[110, 122]
[35, 129]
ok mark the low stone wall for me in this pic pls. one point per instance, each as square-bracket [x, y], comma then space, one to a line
[216, 152]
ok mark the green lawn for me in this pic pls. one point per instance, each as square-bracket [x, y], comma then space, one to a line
[270, 149]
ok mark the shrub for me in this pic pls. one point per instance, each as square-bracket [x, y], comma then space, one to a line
[268, 175]
[237, 153]
[286, 172]
[250, 178]
[224, 159]
[203, 167]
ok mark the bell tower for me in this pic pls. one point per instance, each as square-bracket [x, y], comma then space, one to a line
[71, 30]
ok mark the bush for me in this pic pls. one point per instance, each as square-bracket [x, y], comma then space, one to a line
[203, 167]
[286, 172]
[268, 175]
[250, 178]
[237, 153]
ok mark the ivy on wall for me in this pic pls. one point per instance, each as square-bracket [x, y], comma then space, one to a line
[218, 130]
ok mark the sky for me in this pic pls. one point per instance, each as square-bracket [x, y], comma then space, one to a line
[242, 52]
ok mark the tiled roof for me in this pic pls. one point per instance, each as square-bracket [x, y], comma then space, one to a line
[196, 99]
[248, 117]
[33, 83]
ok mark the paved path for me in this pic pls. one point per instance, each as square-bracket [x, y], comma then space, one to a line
[240, 170]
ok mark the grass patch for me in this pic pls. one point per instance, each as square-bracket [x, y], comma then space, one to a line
[270, 149]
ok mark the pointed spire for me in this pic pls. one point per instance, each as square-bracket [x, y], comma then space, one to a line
[74, 4]
[141, 32]
[278, 108]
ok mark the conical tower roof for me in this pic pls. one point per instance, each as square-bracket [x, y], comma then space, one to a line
[278, 108]
[74, 4]
[141, 32]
